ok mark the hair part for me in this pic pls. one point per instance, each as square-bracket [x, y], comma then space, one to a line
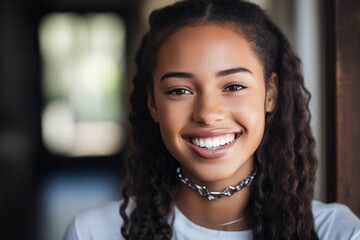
[282, 192]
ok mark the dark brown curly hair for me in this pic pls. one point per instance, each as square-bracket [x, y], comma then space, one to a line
[281, 196]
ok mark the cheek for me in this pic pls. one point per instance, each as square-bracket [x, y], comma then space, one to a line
[171, 122]
[249, 111]
[172, 117]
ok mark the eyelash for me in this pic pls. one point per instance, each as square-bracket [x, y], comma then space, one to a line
[237, 87]
[178, 91]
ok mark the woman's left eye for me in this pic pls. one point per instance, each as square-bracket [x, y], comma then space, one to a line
[233, 88]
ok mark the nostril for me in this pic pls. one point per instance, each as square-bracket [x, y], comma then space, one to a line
[208, 111]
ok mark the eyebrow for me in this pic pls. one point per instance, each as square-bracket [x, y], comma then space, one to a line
[222, 73]
[232, 71]
[176, 75]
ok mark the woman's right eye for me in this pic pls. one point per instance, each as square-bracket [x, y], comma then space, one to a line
[178, 91]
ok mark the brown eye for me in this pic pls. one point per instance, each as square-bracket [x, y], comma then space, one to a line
[178, 91]
[234, 88]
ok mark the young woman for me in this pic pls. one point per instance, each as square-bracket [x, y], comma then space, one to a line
[222, 143]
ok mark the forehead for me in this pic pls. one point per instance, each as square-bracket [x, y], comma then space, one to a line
[209, 45]
[205, 33]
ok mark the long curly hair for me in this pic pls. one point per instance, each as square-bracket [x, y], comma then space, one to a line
[280, 204]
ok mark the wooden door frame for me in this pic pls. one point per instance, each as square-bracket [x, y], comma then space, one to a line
[342, 54]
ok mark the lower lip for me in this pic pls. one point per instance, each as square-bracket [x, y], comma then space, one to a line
[212, 154]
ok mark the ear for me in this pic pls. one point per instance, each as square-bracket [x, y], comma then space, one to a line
[271, 92]
[152, 107]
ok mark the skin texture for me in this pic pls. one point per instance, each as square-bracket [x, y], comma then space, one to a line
[195, 96]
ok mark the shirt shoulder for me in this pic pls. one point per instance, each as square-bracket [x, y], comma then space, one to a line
[102, 222]
[335, 221]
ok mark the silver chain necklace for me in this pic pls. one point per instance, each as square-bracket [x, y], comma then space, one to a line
[204, 192]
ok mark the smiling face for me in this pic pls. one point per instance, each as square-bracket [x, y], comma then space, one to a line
[210, 101]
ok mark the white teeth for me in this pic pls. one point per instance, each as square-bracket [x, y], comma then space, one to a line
[213, 143]
[208, 143]
[216, 142]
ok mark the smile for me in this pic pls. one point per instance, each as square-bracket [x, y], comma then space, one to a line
[214, 143]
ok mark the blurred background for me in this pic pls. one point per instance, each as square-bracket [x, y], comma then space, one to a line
[65, 72]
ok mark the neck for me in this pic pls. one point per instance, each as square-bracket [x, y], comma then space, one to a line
[213, 214]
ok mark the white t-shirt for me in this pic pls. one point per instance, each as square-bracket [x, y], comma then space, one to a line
[332, 222]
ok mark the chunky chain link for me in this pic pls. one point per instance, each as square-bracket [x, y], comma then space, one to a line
[228, 191]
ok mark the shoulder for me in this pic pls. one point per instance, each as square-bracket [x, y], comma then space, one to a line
[335, 221]
[102, 222]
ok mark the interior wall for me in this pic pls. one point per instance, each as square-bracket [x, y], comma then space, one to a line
[308, 39]
[17, 118]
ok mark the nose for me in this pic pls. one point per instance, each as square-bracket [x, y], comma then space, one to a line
[209, 108]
